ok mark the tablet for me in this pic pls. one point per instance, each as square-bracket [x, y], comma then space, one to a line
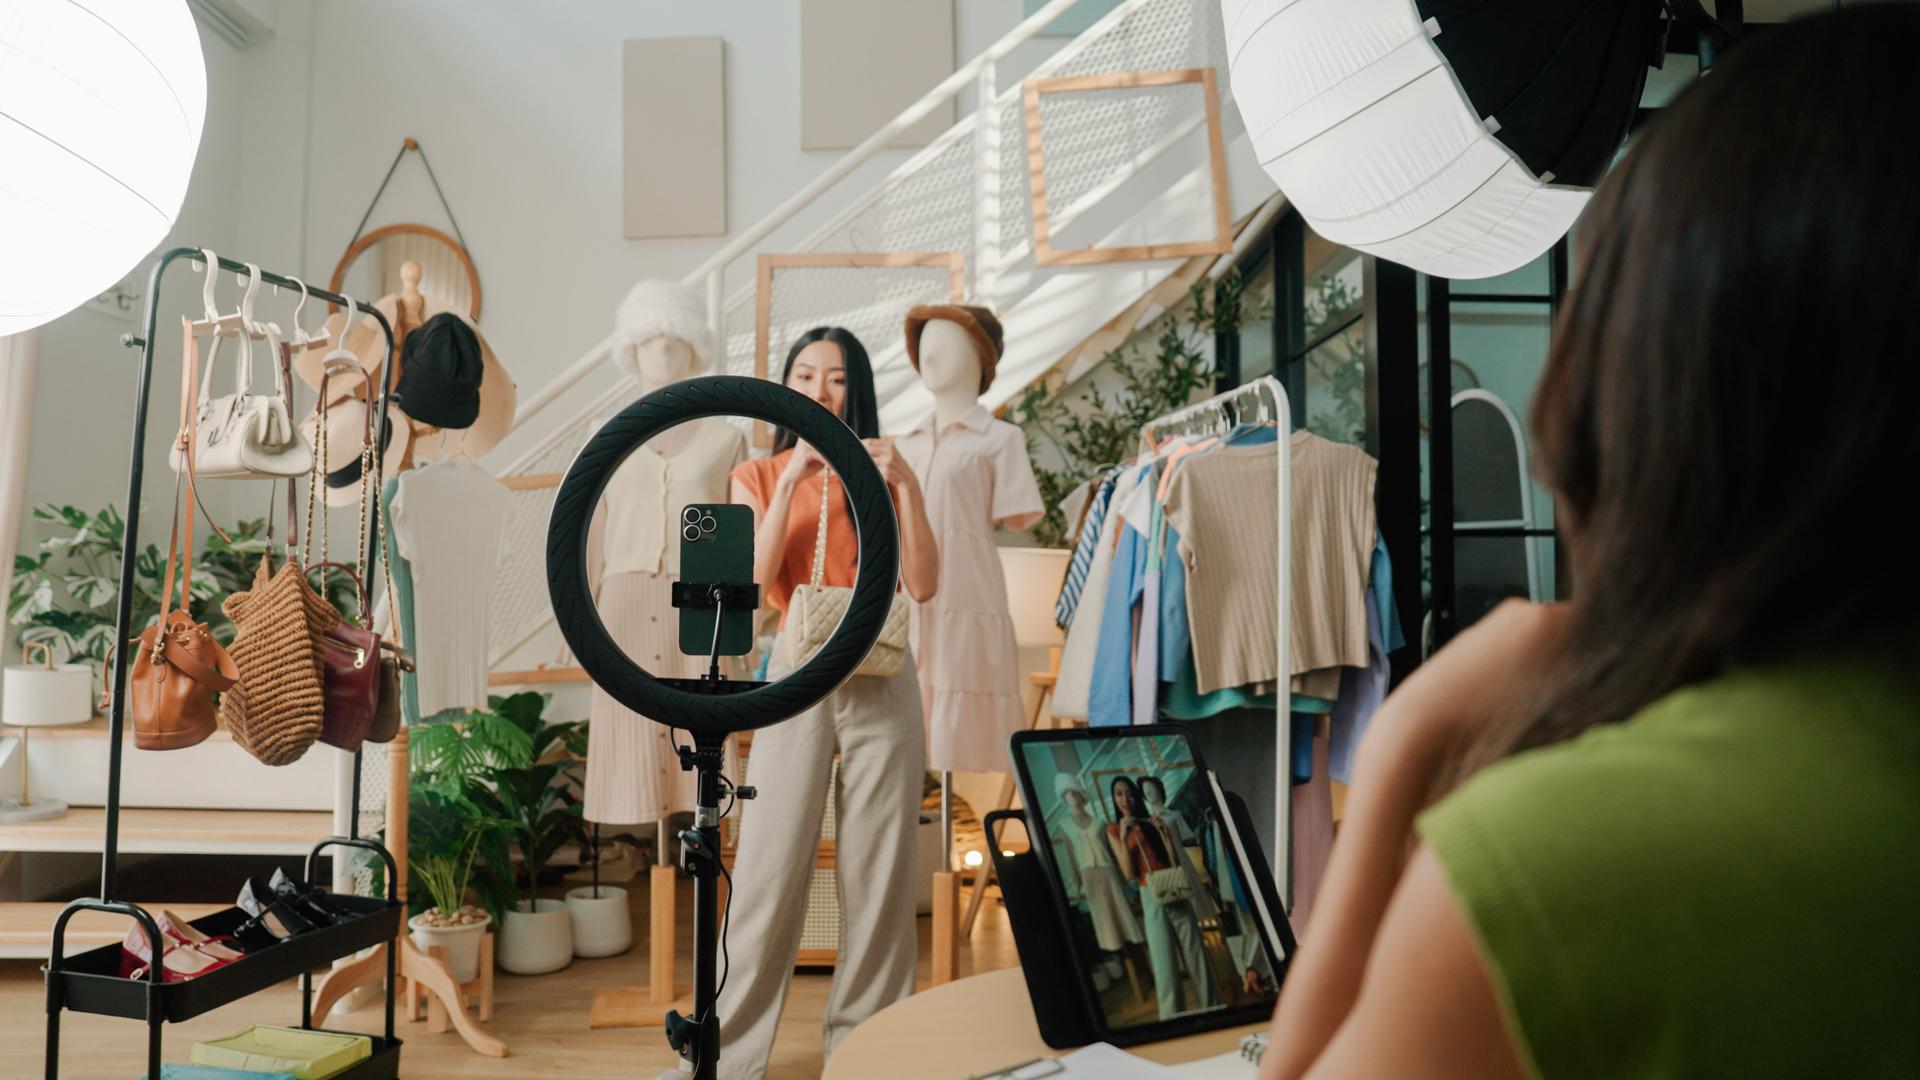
[1171, 920]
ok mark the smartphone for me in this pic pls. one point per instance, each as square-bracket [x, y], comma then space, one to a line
[716, 545]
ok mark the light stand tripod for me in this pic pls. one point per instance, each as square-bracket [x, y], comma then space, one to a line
[712, 707]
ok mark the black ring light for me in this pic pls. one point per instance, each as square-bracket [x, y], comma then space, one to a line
[752, 705]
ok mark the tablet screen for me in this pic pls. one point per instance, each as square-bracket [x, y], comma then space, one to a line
[1163, 921]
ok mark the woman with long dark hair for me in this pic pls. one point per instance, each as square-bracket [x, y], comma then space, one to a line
[1151, 857]
[1668, 828]
[873, 723]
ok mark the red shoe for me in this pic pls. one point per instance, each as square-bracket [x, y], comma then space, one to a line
[179, 960]
[184, 932]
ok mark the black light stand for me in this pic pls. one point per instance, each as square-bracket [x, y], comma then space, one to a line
[712, 707]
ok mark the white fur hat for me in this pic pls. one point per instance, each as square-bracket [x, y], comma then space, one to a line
[662, 309]
[1065, 782]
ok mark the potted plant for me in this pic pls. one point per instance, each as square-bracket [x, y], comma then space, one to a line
[532, 802]
[455, 832]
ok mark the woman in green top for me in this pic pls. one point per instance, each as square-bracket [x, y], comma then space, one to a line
[1672, 827]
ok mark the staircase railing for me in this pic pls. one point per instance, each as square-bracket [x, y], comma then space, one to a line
[966, 191]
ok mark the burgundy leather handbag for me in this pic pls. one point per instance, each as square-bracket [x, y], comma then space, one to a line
[350, 672]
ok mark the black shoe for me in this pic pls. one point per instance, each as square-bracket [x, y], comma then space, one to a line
[314, 904]
[272, 914]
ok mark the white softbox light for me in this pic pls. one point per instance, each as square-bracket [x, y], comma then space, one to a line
[101, 105]
[1458, 138]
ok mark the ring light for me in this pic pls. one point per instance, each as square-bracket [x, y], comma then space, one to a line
[726, 707]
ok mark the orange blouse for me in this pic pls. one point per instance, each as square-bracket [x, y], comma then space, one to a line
[760, 476]
[1144, 845]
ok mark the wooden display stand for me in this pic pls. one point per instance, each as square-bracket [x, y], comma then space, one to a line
[947, 929]
[447, 999]
[639, 1006]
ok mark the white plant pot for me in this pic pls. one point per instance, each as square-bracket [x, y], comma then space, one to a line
[602, 923]
[461, 942]
[538, 941]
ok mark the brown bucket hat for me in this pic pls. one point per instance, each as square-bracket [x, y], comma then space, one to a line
[979, 323]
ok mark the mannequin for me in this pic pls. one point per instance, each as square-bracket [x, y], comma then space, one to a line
[1115, 926]
[633, 773]
[976, 476]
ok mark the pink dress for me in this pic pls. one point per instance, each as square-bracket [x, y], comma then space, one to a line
[975, 475]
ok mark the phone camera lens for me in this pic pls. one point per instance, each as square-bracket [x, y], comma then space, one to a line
[691, 515]
[709, 523]
[691, 532]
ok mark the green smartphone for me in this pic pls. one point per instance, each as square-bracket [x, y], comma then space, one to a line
[716, 546]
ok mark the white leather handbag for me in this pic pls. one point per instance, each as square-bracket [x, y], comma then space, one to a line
[244, 435]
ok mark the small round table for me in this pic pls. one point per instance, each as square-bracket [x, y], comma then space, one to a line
[973, 1026]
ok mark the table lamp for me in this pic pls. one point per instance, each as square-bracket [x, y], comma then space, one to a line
[1033, 587]
[49, 695]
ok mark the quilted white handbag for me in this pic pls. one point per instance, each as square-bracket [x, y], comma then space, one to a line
[245, 435]
[815, 609]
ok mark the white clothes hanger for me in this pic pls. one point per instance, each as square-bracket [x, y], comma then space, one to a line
[340, 360]
[301, 338]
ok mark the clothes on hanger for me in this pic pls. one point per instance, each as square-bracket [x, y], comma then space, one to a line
[633, 772]
[447, 522]
[975, 475]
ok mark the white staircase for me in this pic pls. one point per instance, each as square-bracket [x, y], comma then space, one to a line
[1122, 167]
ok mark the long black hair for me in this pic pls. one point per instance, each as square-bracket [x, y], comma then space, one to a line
[1728, 401]
[862, 411]
[1113, 795]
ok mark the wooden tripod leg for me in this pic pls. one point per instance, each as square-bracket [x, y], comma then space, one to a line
[344, 980]
[436, 980]
[946, 944]
[660, 939]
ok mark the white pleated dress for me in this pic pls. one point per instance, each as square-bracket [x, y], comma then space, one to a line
[633, 773]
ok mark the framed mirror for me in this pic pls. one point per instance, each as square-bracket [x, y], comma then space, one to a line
[371, 267]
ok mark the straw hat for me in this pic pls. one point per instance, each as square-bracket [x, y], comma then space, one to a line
[346, 428]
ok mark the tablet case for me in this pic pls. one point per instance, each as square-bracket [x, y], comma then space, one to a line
[1040, 930]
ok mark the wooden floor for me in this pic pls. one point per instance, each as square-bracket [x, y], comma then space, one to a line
[542, 1018]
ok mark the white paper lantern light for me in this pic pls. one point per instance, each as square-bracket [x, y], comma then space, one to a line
[101, 105]
[1383, 120]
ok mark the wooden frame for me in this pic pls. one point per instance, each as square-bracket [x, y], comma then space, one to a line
[955, 263]
[361, 245]
[1043, 251]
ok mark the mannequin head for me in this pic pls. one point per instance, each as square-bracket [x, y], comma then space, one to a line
[829, 365]
[663, 360]
[1126, 798]
[1154, 794]
[949, 362]
[661, 334]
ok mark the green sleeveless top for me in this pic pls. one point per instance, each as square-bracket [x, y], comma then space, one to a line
[1727, 884]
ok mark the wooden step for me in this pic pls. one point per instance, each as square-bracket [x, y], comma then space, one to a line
[205, 832]
[26, 930]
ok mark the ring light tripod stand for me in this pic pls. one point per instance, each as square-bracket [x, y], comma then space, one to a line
[713, 707]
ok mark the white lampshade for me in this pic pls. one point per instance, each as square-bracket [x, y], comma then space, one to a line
[46, 697]
[1354, 112]
[101, 105]
[1033, 586]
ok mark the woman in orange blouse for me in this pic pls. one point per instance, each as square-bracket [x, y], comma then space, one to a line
[1142, 845]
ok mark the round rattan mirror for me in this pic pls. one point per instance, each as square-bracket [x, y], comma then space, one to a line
[446, 270]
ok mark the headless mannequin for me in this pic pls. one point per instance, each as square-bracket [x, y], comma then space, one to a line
[950, 368]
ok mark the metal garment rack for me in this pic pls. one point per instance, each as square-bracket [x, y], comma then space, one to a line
[1263, 399]
[84, 982]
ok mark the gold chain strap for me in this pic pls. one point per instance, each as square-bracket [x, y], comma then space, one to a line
[316, 478]
[820, 534]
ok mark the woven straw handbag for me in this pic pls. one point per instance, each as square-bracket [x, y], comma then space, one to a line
[815, 609]
[278, 710]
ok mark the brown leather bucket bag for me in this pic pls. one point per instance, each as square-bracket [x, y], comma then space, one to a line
[179, 665]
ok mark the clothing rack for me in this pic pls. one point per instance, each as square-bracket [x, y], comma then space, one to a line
[89, 982]
[1262, 400]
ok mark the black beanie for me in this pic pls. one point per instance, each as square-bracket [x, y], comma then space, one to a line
[440, 373]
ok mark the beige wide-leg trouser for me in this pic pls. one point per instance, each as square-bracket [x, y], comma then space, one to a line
[875, 725]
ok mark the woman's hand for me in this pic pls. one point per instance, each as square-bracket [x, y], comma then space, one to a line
[893, 468]
[1447, 700]
[804, 463]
